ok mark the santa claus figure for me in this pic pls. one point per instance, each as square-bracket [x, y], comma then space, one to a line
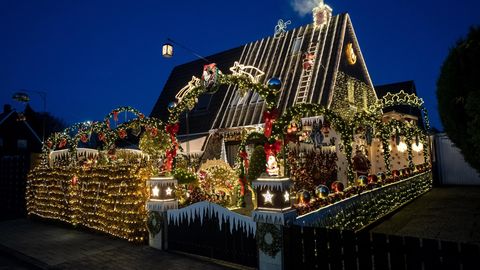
[272, 166]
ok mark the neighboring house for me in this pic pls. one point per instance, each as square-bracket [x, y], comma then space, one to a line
[18, 141]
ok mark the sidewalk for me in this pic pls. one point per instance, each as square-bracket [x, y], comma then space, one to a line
[445, 213]
[43, 246]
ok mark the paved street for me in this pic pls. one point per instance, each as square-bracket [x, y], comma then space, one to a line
[26, 244]
[446, 213]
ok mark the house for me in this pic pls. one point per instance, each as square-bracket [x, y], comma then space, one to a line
[18, 141]
[319, 63]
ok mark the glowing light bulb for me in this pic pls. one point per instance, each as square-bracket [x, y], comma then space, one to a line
[402, 147]
[417, 147]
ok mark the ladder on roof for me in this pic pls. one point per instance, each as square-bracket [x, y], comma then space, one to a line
[306, 76]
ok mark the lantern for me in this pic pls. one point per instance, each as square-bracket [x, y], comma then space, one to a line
[162, 188]
[167, 50]
[272, 193]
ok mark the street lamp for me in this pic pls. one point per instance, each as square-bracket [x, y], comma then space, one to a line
[23, 97]
[167, 50]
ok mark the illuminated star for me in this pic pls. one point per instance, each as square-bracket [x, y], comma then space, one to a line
[286, 196]
[155, 191]
[168, 191]
[268, 197]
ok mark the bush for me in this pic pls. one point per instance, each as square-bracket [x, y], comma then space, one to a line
[458, 94]
[257, 163]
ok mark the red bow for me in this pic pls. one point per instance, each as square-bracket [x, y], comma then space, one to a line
[84, 138]
[115, 116]
[49, 144]
[172, 129]
[101, 137]
[272, 149]
[108, 124]
[122, 133]
[269, 118]
[154, 132]
[244, 157]
[242, 181]
[62, 143]
[169, 162]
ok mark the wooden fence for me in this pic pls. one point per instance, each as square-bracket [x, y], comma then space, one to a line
[209, 230]
[320, 248]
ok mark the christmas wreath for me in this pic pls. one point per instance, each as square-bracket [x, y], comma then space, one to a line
[269, 239]
[154, 222]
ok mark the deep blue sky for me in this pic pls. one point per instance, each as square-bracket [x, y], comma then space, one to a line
[93, 56]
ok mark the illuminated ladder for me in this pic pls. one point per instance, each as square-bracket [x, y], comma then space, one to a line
[307, 74]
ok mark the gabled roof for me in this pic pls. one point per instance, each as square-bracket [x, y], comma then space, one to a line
[281, 57]
[200, 119]
[407, 87]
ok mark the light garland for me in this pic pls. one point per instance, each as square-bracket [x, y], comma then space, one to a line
[107, 198]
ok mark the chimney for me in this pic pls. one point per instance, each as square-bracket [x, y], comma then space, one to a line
[7, 108]
[321, 14]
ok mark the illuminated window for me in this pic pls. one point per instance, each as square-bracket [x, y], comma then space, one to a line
[350, 92]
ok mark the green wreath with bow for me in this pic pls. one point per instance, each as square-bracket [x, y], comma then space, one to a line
[154, 222]
[269, 239]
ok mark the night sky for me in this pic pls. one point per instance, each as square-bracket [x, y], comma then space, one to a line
[93, 56]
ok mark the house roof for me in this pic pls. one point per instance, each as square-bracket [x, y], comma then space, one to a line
[281, 57]
[407, 87]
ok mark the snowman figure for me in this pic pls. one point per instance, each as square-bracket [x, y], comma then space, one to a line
[272, 166]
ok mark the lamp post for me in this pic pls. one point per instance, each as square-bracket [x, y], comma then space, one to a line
[23, 97]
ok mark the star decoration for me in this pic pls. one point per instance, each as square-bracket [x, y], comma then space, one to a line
[255, 74]
[268, 197]
[155, 191]
[402, 96]
[286, 196]
[168, 191]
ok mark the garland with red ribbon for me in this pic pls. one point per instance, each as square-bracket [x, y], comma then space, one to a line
[170, 154]
[269, 118]
[242, 179]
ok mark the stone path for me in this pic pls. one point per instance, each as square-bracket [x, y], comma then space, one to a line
[44, 246]
[446, 213]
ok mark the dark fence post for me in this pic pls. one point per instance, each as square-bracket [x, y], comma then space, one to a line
[273, 212]
[161, 198]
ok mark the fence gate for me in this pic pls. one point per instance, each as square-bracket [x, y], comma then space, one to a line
[209, 230]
